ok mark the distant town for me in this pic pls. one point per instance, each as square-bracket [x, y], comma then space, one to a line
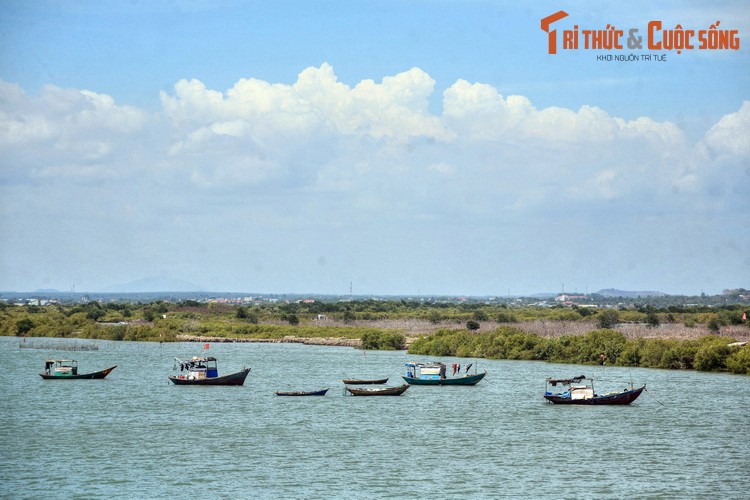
[607, 298]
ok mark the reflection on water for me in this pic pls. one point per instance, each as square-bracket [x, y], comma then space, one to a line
[135, 434]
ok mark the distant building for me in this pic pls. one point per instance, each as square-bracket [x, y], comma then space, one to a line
[568, 298]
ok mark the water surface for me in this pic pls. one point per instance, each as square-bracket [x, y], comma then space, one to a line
[135, 434]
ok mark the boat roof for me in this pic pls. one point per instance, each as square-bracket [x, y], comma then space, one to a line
[420, 364]
[206, 358]
[568, 381]
[60, 361]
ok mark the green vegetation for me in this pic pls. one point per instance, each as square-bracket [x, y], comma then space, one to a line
[382, 340]
[602, 346]
[461, 323]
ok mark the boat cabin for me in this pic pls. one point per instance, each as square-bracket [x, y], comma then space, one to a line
[580, 387]
[199, 368]
[61, 367]
[426, 371]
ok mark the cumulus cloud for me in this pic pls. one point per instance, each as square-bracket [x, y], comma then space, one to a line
[376, 144]
[396, 108]
[478, 112]
[731, 135]
[65, 133]
[288, 170]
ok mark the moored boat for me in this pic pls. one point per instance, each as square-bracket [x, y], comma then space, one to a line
[357, 381]
[203, 371]
[435, 374]
[580, 391]
[67, 369]
[321, 392]
[384, 391]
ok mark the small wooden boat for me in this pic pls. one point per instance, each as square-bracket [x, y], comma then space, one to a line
[67, 369]
[357, 381]
[321, 392]
[435, 374]
[385, 391]
[580, 391]
[203, 371]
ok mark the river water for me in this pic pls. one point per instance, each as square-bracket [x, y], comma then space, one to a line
[135, 435]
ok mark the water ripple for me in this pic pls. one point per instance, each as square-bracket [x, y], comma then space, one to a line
[136, 435]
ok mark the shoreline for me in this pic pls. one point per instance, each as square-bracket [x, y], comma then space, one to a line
[289, 339]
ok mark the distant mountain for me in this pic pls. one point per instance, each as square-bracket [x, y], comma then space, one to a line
[613, 292]
[154, 284]
[47, 290]
[543, 295]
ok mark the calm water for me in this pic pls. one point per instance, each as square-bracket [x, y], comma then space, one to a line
[135, 434]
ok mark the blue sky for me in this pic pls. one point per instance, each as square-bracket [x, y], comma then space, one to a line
[429, 147]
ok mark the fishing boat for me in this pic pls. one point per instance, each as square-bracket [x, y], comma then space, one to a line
[62, 369]
[357, 381]
[384, 391]
[321, 392]
[203, 371]
[436, 374]
[580, 391]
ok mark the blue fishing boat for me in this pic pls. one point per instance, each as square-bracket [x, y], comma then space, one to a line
[203, 371]
[436, 374]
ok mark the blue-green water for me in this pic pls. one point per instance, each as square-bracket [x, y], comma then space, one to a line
[135, 435]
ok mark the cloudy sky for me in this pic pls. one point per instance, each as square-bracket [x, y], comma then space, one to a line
[422, 147]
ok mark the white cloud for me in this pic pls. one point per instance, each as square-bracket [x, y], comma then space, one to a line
[394, 109]
[67, 134]
[376, 145]
[478, 112]
[731, 135]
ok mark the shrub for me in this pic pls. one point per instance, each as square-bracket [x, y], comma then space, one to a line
[252, 317]
[479, 315]
[599, 346]
[680, 356]
[652, 320]
[23, 326]
[739, 361]
[472, 325]
[506, 317]
[607, 319]
[382, 341]
[630, 354]
[652, 352]
[584, 311]
[712, 354]
[715, 323]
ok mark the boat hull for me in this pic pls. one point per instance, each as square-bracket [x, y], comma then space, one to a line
[620, 398]
[301, 393]
[467, 380]
[354, 381]
[387, 391]
[83, 376]
[237, 378]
